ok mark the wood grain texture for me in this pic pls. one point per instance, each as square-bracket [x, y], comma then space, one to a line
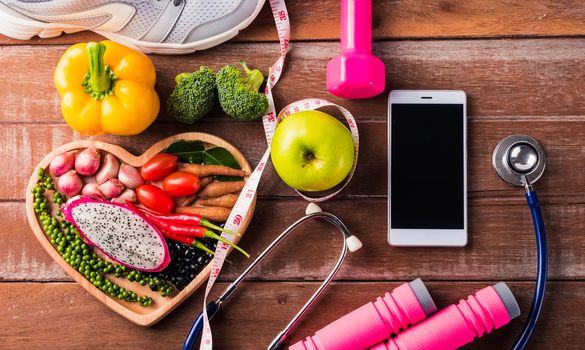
[522, 73]
[501, 245]
[503, 78]
[564, 142]
[407, 19]
[67, 317]
[161, 305]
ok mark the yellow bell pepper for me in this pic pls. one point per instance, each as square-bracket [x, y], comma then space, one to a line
[106, 87]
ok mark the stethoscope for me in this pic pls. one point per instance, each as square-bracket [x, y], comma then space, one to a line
[350, 243]
[518, 159]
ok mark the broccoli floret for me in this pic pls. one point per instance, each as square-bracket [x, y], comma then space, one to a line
[238, 95]
[194, 96]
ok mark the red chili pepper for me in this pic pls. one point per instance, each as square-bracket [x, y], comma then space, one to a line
[183, 230]
[183, 219]
[192, 241]
[182, 239]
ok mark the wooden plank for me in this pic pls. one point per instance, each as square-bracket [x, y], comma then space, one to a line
[501, 77]
[407, 19]
[57, 316]
[25, 145]
[501, 245]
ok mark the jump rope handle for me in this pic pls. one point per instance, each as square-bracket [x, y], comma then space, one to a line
[457, 325]
[197, 326]
[374, 322]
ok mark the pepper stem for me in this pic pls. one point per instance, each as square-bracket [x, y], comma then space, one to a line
[212, 234]
[99, 79]
[206, 223]
[198, 244]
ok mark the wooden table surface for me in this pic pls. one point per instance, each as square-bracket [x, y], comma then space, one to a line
[522, 64]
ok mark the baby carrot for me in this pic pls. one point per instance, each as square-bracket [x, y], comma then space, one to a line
[211, 213]
[225, 201]
[185, 201]
[203, 170]
[219, 188]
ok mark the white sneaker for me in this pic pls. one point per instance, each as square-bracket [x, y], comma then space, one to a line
[157, 26]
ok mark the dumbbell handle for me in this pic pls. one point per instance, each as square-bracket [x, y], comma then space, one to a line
[356, 26]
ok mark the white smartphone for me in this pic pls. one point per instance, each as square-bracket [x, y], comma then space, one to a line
[427, 168]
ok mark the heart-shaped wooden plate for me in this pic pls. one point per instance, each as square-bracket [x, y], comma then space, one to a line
[144, 316]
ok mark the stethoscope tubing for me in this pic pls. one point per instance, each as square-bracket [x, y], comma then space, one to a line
[541, 274]
[521, 342]
[213, 307]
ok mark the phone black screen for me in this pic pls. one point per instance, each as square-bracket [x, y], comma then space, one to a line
[427, 166]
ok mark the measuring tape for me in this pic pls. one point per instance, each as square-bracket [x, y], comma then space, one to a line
[269, 120]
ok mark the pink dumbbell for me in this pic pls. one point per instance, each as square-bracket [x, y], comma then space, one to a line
[457, 325]
[356, 73]
[374, 322]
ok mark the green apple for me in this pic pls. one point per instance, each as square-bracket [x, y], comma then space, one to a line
[312, 151]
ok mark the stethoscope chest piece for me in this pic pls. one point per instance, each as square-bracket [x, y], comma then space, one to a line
[519, 156]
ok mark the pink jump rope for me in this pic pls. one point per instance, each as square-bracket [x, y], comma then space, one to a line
[372, 325]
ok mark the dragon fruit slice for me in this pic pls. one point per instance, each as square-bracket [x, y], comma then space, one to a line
[119, 232]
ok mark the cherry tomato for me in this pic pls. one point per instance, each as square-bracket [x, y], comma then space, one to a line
[158, 167]
[181, 184]
[154, 198]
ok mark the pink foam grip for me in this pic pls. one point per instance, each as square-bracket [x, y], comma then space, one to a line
[455, 325]
[369, 324]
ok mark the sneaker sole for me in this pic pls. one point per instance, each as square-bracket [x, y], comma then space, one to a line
[24, 29]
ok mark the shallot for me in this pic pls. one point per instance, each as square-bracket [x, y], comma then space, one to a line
[92, 190]
[87, 162]
[130, 176]
[111, 188]
[62, 163]
[127, 196]
[70, 183]
[109, 168]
